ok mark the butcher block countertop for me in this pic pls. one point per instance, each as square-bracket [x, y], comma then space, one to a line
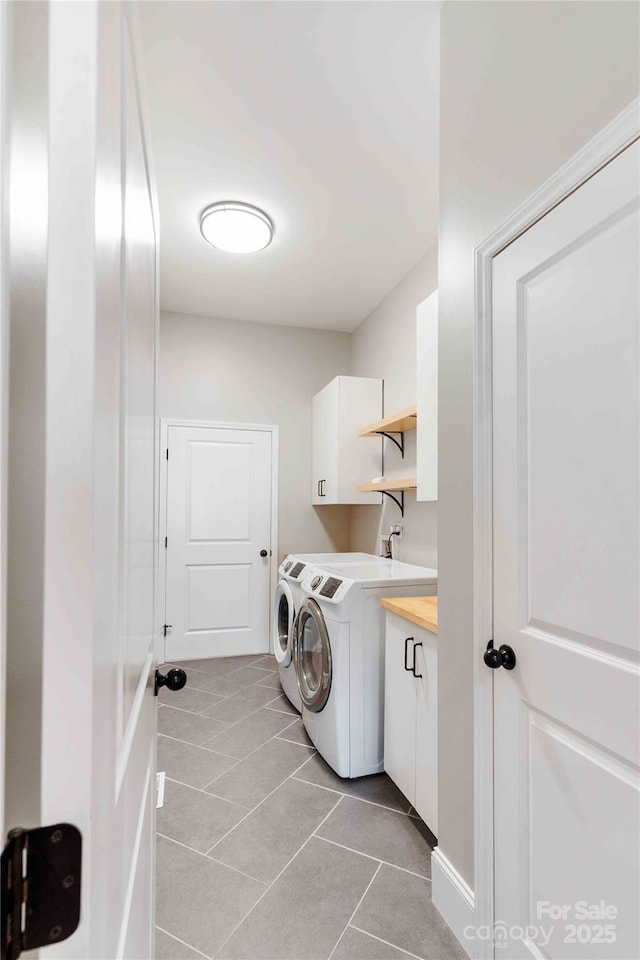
[422, 611]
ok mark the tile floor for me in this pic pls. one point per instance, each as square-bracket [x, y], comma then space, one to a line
[263, 852]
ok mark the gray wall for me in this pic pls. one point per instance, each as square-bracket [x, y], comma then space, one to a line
[260, 373]
[523, 86]
[384, 345]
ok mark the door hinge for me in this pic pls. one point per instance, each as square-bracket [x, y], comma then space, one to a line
[41, 884]
[167, 453]
[166, 542]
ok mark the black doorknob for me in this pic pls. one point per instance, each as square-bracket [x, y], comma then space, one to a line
[504, 656]
[174, 679]
[264, 553]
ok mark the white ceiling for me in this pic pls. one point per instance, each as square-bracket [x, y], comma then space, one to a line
[325, 114]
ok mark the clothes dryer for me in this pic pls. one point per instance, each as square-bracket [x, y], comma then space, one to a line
[339, 656]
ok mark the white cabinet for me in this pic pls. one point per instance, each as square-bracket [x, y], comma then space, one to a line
[341, 460]
[427, 397]
[411, 714]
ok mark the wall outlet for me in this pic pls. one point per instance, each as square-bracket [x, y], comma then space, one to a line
[385, 547]
[396, 530]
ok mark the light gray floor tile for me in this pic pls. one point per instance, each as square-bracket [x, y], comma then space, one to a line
[243, 661]
[252, 674]
[251, 780]
[200, 901]
[195, 818]
[232, 709]
[194, 766]
[168, 948]
[355, 945]
[284, 705]
[189, 698]
[267, 839]
[247, 735]
[211, 668]
[398, 908]
[190, 727]
[196, 680]
[380, 833]
[297, 733]
[268, 662]
[227, 685]
[261, 696]
[303, 914]
[271, 680]
[377, 789]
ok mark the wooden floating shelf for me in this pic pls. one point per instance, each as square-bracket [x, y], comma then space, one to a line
[394, 423]
[390, 486]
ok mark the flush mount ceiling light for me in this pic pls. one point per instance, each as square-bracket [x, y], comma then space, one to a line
[236, 227]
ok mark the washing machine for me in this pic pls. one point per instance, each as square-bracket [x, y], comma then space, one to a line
[285, 607]
[339, 656]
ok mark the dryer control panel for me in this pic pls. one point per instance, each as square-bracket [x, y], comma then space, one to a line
[329, 587]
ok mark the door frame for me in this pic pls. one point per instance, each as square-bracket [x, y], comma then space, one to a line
[5, 52]
[620, 133]
[272, 429]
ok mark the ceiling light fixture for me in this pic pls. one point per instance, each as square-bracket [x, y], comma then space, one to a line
[236, 227]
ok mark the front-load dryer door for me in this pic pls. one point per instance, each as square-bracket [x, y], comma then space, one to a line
[312, 652]
[283, 623]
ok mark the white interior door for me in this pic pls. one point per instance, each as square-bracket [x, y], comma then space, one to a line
[218, 547]
[566, 539]
[83, 546]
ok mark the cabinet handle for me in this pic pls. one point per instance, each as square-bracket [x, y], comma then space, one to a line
[406, 658]
[319, 494]
[322, 483]
[413, 669]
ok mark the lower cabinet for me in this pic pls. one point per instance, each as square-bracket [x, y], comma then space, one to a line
[411, 714]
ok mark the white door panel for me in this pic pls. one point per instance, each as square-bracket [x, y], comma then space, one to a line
[218, 520]
[566, 577]
[92, 757]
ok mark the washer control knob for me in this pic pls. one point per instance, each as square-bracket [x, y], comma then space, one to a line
[315, 583]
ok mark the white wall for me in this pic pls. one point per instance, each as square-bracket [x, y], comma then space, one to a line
[522, 87]
[260, 373]
[384, 345]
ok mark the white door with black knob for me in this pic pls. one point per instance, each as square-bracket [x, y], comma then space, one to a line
[566, 566]
[218, 547]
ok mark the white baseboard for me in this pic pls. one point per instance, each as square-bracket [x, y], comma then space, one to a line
[452, 897]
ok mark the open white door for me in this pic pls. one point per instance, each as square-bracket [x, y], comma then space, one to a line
[82, 548]
[566, 478]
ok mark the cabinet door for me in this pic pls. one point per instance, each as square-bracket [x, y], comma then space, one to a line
[359, 458]
[426, 801]
[399, 708]
[325, 445]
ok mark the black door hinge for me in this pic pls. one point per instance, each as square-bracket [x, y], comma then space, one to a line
[41, 883]
[166, 542]
[167, 453]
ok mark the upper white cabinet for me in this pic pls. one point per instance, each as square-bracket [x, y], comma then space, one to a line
[427, 388]
[340, 459]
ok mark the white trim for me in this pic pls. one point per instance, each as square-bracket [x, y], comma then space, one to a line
[5, 53]
[604, 147]
[143, 817]
[271, 428]
[453, 898]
